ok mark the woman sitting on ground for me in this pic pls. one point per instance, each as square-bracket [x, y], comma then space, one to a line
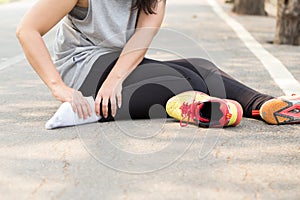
[100, 52]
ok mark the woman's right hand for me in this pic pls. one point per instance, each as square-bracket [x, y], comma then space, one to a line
[79, 104]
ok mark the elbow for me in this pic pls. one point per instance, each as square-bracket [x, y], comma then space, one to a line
[20, 32]
[23, 32]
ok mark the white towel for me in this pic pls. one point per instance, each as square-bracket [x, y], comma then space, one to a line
[65, 116]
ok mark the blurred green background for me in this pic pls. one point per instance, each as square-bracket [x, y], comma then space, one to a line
[4, 1]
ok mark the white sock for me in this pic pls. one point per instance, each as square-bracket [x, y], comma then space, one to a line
[65, 116]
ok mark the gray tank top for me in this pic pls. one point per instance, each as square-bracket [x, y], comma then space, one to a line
[85, 34]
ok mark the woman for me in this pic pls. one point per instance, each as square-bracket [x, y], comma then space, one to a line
[100, 51]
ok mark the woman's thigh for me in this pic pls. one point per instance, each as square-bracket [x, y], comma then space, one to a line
[148, 88]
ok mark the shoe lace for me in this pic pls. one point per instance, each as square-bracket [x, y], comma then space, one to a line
[191, 111]
[187, 113]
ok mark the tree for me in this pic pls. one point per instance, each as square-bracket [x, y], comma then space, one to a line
[288, 22]
[249, 7]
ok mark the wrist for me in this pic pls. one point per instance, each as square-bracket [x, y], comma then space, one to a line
[55, 85]
[116, 78]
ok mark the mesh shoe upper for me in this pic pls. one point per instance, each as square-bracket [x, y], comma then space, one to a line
[206, 111]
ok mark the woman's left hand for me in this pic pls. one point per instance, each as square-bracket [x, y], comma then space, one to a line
[110, 91]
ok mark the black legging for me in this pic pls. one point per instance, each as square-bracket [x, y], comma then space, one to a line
[154, 82]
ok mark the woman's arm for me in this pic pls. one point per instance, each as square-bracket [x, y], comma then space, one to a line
[44, 15]
[132, 54]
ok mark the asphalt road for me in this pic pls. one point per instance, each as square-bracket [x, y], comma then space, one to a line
[148, 159]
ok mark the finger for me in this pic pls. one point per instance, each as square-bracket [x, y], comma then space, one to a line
[113, 106]
[73, 107]
[75, 98]
[73, 103]
[79, 111]
[84, 109]
[105, 107]
[88, 107]
[119, 99]
[97, 105]
[80, 102]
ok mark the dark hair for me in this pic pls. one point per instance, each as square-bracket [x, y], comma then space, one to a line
[148, 6]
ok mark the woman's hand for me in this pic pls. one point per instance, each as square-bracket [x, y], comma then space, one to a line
[79, 104]
[110, 91]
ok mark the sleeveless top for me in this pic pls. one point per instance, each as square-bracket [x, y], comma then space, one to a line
[85, 34]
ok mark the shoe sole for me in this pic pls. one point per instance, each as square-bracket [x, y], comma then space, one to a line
[280, 111]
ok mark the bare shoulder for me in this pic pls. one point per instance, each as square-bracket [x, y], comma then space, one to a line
[83, 3]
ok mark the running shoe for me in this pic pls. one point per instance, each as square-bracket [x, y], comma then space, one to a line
[204, 110]
[281, 110]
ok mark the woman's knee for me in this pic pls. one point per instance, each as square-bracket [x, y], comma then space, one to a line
[203, 63]
[203, 66]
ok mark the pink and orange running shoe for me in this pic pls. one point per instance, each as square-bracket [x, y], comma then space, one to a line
[281, 110]
[204, 110]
